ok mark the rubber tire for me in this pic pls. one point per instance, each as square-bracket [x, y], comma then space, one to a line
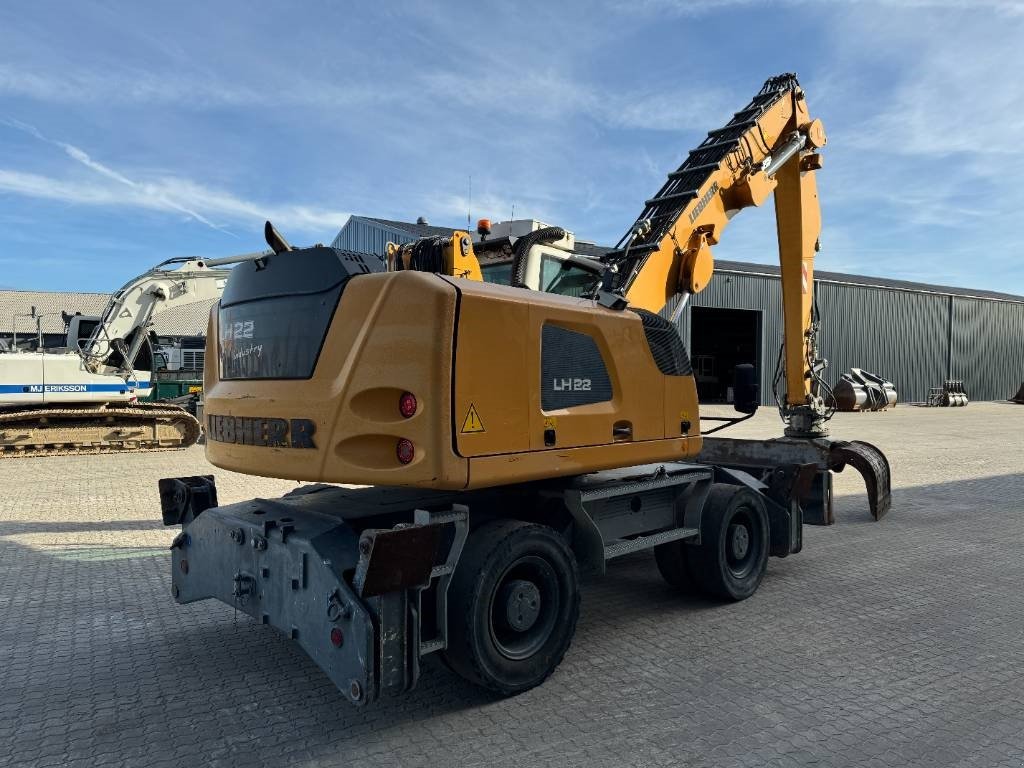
[489, 551]
[708, 563]
[674, 566]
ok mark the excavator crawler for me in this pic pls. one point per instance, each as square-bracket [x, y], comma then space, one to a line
[513, 437]
[102, 428]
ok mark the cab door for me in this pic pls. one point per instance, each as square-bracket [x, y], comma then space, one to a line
[591, 385]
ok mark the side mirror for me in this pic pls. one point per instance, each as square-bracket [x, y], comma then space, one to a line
[746, 391]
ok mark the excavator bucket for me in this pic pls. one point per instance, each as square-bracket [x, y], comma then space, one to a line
[859, 390]
[873, 467]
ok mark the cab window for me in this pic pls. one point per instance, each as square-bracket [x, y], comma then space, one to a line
[564, 278]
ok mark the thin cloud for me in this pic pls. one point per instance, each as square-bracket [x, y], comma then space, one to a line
[172, 88]
[701, 7]
[162, 195]
[169, 194]
[79, 155]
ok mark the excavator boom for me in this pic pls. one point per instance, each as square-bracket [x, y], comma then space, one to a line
[768, 146]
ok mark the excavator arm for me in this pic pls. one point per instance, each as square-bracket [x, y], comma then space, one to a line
[768, 146]
[133, 307]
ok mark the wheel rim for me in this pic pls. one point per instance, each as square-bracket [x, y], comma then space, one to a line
[741, 549]
[524, 606]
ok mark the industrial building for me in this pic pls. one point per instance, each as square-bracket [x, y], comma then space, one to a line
[916, 335]
[28, 316]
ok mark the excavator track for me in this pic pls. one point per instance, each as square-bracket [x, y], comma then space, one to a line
[56, 430]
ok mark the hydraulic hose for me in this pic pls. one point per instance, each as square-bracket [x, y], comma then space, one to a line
[522, 249]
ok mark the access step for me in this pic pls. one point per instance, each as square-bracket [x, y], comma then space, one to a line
[628, 546]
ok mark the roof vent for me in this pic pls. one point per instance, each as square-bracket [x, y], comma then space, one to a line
[422, 221]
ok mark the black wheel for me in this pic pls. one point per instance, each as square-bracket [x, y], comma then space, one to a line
[673, 565]
[512, 606]
[733, 555]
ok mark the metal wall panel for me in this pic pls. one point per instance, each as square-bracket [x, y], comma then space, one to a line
[367, 237]
[988, 347]
[899, 335]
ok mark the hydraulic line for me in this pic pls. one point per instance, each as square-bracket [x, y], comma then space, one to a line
[522, 248]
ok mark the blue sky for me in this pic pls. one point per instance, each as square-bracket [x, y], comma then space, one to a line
[132, 132]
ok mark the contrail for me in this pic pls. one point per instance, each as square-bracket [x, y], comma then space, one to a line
[79, 155]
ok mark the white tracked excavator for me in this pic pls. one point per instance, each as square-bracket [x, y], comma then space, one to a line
[84, 397]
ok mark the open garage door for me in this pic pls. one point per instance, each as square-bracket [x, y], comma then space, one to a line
[721, 340]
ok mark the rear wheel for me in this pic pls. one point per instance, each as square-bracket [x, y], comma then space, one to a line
[733, 555]
[512, 606]
[674, 566]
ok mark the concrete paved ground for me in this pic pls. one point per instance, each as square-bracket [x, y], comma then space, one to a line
[889, 644]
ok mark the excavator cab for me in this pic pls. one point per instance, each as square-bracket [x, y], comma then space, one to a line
[542, 258]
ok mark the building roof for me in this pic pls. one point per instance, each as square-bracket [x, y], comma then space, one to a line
[183, 320]
[49, 304]
[410, 228]
[596, 251]
[873, 282]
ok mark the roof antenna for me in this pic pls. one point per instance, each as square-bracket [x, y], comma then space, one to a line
[513, 216]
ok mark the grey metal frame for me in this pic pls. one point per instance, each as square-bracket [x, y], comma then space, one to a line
[304, 564]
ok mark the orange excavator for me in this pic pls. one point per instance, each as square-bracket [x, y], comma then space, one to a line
[513, 436]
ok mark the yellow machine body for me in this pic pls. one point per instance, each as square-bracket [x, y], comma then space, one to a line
[471, 354]
[498, 399]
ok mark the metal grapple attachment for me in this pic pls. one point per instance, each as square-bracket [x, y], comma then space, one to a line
[859, 390]
[822, 455]
[873, 467]
[950, 395]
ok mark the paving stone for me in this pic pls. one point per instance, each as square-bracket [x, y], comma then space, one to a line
[889, 644]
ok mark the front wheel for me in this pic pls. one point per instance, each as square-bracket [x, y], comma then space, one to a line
[512, 606]
[733, 555]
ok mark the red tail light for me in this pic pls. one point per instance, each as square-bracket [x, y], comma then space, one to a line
[405, 451]
[337, 637]
[407, 404]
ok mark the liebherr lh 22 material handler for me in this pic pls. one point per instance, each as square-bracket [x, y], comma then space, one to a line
[514, 436]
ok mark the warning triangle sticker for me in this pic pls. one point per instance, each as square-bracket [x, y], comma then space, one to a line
[472, 422]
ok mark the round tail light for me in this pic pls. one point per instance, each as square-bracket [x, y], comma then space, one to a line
[407, 404]
[337, 637]
[405, 450]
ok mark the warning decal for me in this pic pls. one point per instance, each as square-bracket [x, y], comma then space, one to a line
[472, 422]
